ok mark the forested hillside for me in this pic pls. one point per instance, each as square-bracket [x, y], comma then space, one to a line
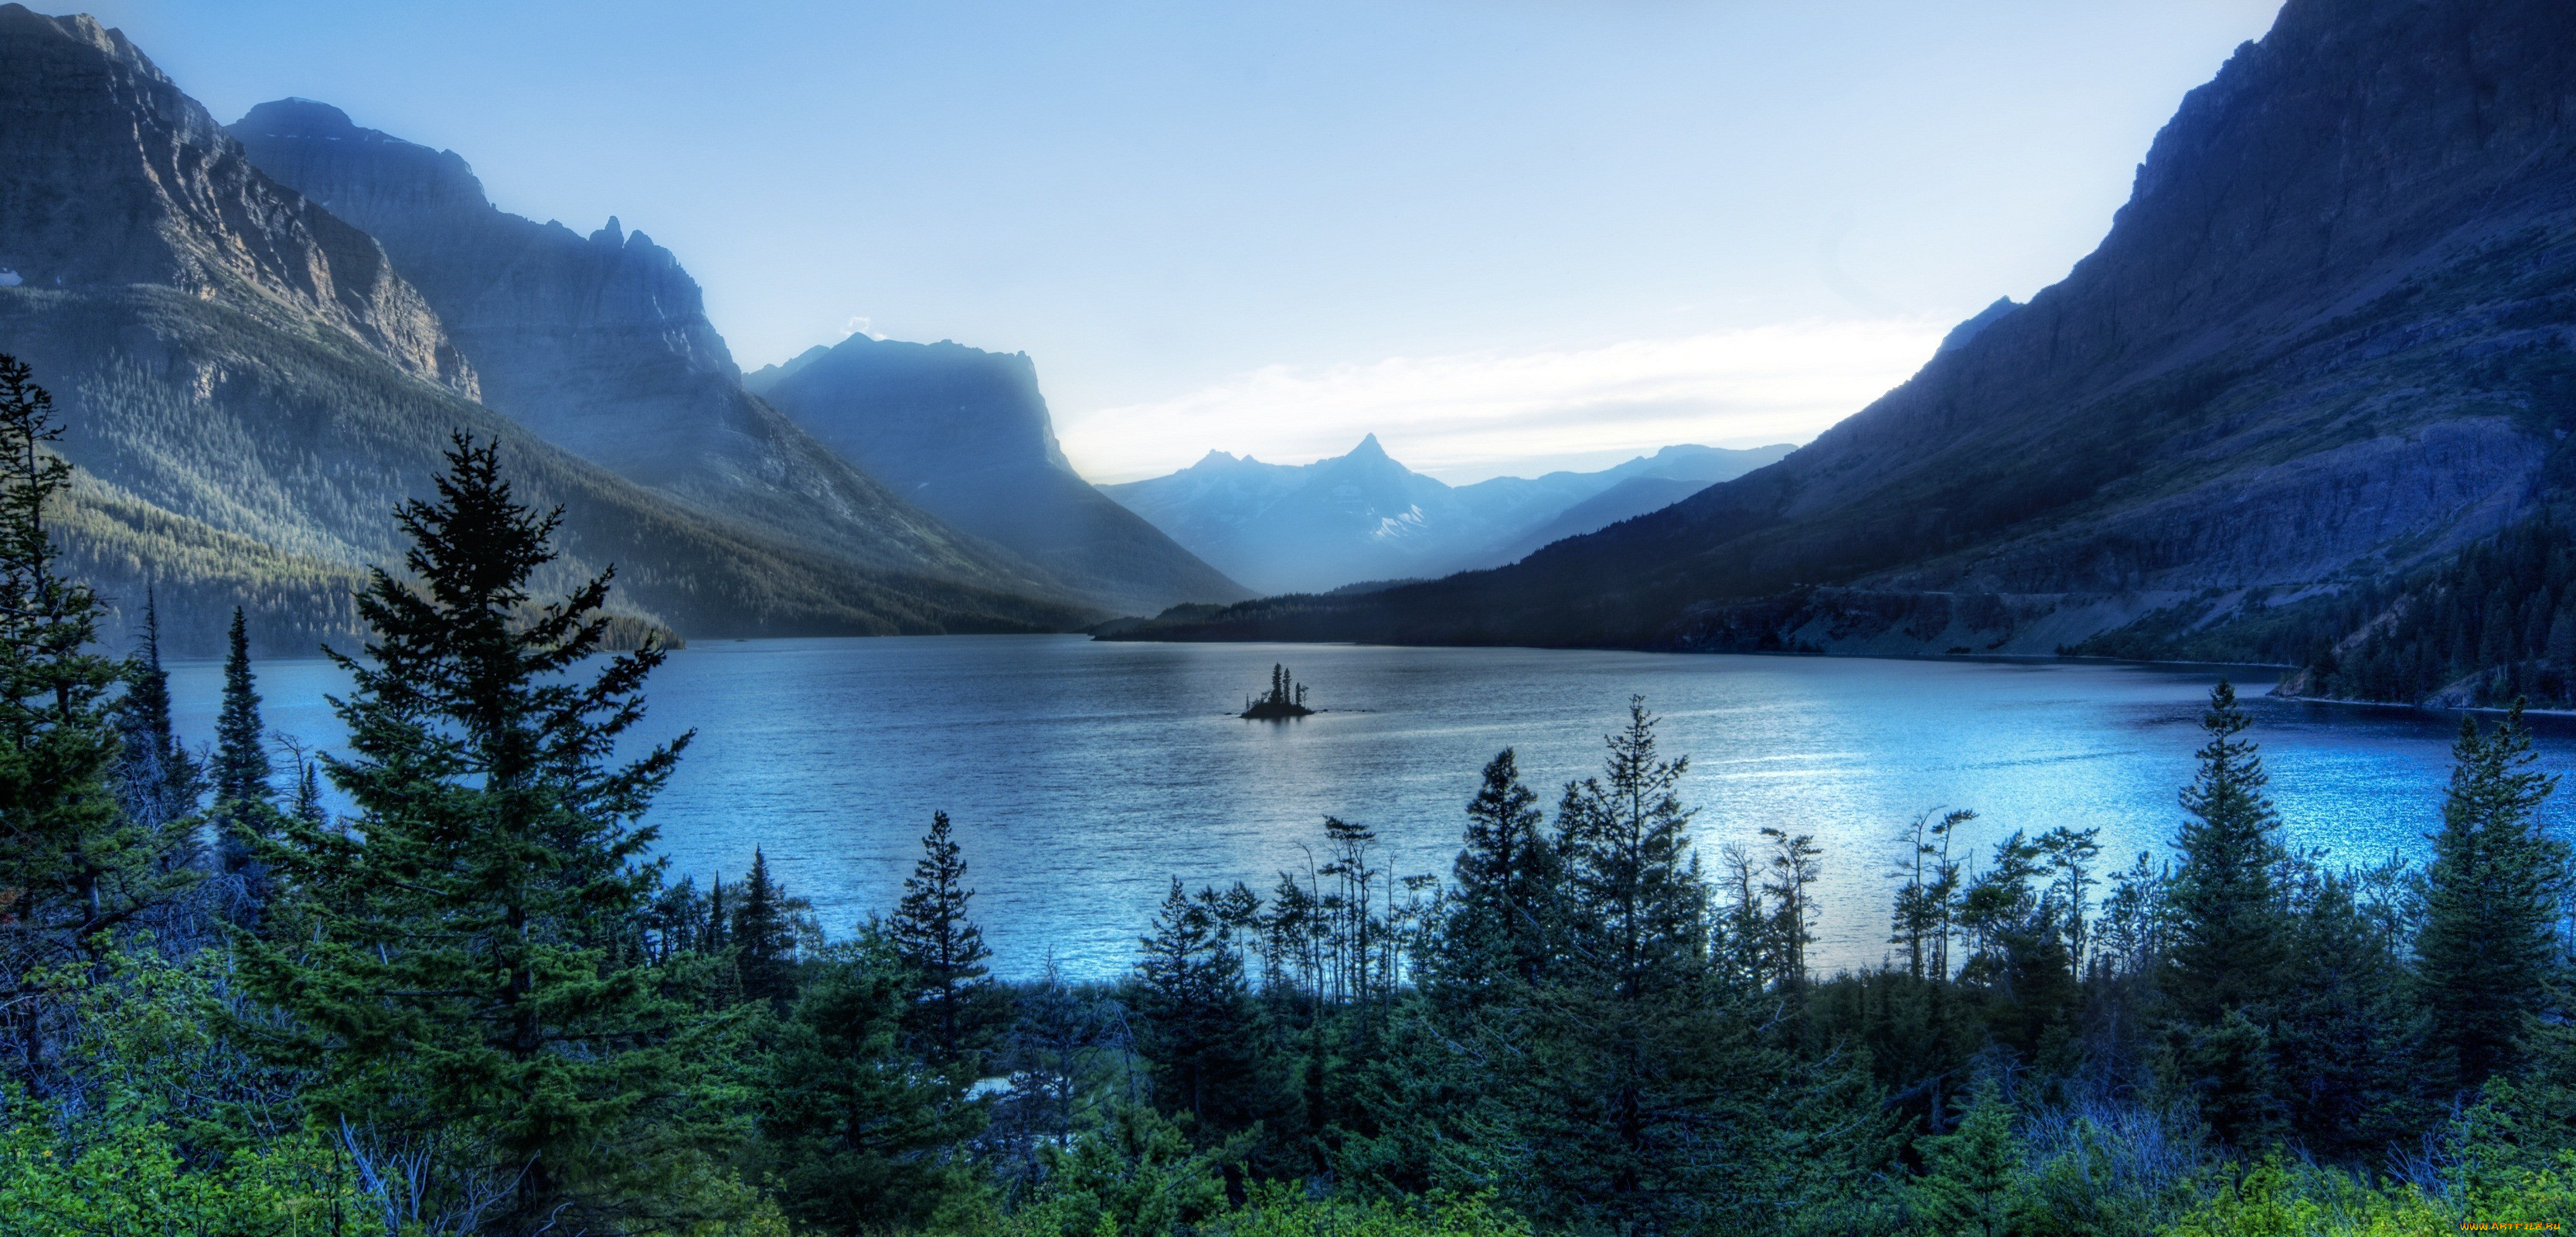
[469, 1004]
[253, 369]
[2323, 350]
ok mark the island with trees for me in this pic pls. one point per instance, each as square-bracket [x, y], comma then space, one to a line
[1285, 699]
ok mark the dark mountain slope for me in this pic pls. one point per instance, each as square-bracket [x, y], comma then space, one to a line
[964, 434]
[601, 345]
[2326, 340]
[257, 388]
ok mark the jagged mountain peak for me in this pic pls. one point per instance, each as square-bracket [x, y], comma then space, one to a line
[119, 178]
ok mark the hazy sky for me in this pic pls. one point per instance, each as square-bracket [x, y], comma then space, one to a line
[1505, 235]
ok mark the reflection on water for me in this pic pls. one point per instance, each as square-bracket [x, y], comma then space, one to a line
[1082, 776]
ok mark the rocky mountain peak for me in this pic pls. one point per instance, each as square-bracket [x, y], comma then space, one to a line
[118, 178]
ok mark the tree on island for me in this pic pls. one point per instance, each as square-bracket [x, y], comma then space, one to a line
[1286, 697]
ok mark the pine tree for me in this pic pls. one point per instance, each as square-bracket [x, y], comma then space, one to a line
[1197, 1012]
[1646, 1095]
[764, 936]
[158, 781]
[855, 1136]
[1495, 937]
[2230, 926]
[932, 933]
[245, 807]
[1639, 909]
[241, 767]
[2486, 957]
[1975, 1181]
[457, 965]
[72, 864]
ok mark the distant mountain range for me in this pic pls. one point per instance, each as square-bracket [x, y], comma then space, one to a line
[2328, 345]
[965, 435]
[260, 339]
[1310, 528]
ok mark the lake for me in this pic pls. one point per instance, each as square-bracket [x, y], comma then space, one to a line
[1082, 776]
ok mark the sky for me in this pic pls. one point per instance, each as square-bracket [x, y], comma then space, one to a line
[1503, 235]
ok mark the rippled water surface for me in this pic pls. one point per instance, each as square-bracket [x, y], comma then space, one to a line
[1083, 777]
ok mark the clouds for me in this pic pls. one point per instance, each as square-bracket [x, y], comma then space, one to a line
[1469, 416]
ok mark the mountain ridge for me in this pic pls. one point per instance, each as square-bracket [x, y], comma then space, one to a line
[2324, 341]
[601, 345]
[1311, 528]
[258, 388]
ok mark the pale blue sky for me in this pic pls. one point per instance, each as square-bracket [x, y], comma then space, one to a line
[1504, 235]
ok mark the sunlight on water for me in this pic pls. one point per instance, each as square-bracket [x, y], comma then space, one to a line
[1084, 776]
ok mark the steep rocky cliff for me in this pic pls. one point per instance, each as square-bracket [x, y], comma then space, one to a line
[2327, 340]
[249, 386]
[601, 345]
[115, 177]
[965, 434]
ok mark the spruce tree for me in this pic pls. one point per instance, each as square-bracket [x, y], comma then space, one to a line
[764, 936]
[1495, 936]
[2230, 926]
[245, 805]
[1975, 1180]
[241, 765]
[1197, 1012]
[931, 931]
[2486, 957]
[157, 781]
[457, 967]
[73, 865]
[855, 1136]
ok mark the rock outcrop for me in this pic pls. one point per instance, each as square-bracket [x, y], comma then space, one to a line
[965, 434]
[601, 345]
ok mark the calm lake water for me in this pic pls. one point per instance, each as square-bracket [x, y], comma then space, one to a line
[1082, 777]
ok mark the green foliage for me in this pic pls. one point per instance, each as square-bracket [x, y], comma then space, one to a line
[1975, 1180]
[2229, 929]
[453, 965]
[763, 936]
[945, 949]
[120, 1174]
[2489, 945]
[74, 865]
[856, 1135]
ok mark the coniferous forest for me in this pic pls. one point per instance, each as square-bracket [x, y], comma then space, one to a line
[471, 1003]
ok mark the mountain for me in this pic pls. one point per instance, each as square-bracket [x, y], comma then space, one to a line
[1311, 528]
[2324, 346]
[964, 434]
[249, 386]
[601, 345]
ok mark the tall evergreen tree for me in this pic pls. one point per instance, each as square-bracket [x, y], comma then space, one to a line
[245, 806]
[72, 864]
[2487, 957]
[764, 936]
[933, 934]
[1495, 937]
[458, 969]
[241, 766]
[157, 781]
[855, 1136]
[2230, 925]
[1197, 1012]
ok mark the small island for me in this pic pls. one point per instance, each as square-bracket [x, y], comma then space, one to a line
[1286, 699]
